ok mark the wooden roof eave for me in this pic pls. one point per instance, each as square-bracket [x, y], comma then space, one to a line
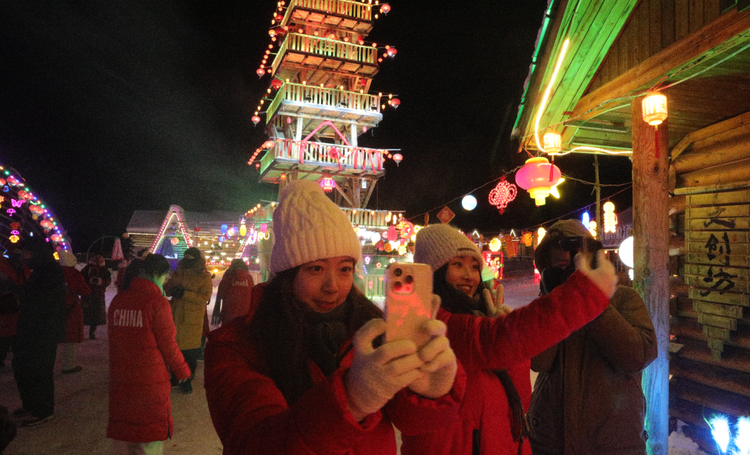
[582, 21]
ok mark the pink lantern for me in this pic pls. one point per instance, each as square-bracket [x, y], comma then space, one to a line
[255, 119]
[397, 157]
[385, 8]
[2, 182]
[260, 72]
[395, 102]
[276, 84]
[391, 51]
[538, 177]
[503, 194]
[328, 184]
[36, 209]
[55, 237]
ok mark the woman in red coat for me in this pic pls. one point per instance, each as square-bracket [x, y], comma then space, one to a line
[495, 347]
[141, 348]
[76, 288]
[233, 296]
[291, 381]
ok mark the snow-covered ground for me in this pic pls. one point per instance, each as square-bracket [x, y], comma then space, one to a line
[81, 399]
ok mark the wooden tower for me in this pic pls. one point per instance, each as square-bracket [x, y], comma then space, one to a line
[318, 101]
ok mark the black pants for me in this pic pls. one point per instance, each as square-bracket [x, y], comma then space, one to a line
[191, 358]
[33, 370]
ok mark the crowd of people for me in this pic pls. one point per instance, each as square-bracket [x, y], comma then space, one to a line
[300, 364]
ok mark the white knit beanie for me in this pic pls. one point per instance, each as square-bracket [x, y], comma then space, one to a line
[308, 226]
[438, 243]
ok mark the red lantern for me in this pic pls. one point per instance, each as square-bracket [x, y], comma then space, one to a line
[279, 17]
[385, 8]
[503, 194]
[272, 32]
[397, 157]
[391, 51]
[55, 237]
[538, 177]
[36, 209]
[255, 119]
[268, 144]
[395, 102]
[260, 72]
[276, 84]
[361, 40]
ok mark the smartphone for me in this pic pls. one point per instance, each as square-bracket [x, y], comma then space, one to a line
[408, 301]
[592, 246]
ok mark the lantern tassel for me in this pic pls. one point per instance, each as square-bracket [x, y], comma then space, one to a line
[551, 167]
[656, 140]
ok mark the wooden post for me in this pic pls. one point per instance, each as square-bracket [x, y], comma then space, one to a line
[598, 188]
[651, 256]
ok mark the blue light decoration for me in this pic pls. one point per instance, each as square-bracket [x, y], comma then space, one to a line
[224, 228]
[469, 202]
[742, 440]
[586, 219]
[737, 443]
[720, 431]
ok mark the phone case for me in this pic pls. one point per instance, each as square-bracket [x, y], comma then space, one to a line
[408, 301]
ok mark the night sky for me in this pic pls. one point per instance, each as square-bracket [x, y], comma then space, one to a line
[110, 107]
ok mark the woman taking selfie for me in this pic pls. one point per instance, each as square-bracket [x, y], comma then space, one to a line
[494, 346]
[303, 376]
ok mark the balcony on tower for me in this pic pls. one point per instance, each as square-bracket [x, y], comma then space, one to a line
[345, 15]
[323, 103]
[324, 56]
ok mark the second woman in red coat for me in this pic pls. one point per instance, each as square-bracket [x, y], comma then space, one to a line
[76, 288]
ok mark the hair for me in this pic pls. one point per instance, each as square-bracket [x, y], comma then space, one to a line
[153, 265]
[452, 299]
[237, 264]
[279, 331]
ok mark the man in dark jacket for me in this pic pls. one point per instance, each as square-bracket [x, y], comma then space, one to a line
[587, 399]
[41, 325]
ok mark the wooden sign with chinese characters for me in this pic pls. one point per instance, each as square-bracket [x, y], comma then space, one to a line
[717, 262]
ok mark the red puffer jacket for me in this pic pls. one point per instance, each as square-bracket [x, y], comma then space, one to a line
[234, 292]
[484, 344]
[141, 341]
[74, 322]
[251, 415]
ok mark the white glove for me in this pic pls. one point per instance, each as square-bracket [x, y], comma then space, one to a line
[376, 375]
[495, 306]
[439, 363]
[603, 276]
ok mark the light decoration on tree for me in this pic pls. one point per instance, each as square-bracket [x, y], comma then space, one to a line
[610, 219]
[654, 110]
[469, 202]
[538, 177]
[504, 193]
[327, 183]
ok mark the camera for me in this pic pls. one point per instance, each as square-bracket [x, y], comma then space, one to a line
[397, 272]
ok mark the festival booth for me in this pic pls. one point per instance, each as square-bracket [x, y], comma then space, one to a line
[666, 83]
[23, 214]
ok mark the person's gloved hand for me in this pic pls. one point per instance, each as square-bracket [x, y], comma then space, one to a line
[604, 276]
[495, 305]
[439, 363]
[178, 291]
[376, 375]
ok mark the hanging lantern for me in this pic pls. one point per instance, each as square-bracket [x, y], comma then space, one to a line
[268, 144]
[272, 32]
[538, 177]
[255, 119]
[397, 157]
[654, 108]
[552, 142]
[469, 202]
[175, 240]
[36, 210]
[395, 102]
[327, 183]
[385, 8]
[391, 51]
[495, 244]
[276, 84]
[14, 238]
[503, 194]
[361, 40]
[260, 72]
[610, 219]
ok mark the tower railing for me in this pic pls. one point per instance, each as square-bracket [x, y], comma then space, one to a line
[371, 218]
[325, 47]
[324, 154]
[323, 96]
[349, 8]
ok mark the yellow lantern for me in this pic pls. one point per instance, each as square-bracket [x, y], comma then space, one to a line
[552, 142]
[610, 219]
[495, 245]
[654, 108]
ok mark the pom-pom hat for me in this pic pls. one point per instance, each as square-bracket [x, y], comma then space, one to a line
[308, 226]
[438, 243]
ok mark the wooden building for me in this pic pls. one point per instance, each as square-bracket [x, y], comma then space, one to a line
[691, 179]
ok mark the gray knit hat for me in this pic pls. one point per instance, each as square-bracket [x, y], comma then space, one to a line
[308, 226]
[438, 243]
[566, 228]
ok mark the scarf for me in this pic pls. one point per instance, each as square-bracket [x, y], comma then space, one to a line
[325, 333]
